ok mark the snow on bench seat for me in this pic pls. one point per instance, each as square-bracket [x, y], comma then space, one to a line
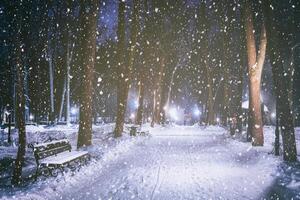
[63, 158]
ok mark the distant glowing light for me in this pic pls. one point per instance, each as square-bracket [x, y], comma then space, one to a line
[31, 117]
[132, 116]
[173, 113]
[273, 115]
[218, 119]
[197, 112]
[74, 111]
[136, 103]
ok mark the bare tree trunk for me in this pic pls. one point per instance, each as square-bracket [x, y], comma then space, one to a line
[69, 59]
[210, 101]
[225, 111]
[122, 98]
[142, 71]
[239, 109]
[62, 102]
[156, 119]
[276, 50]
[124, 68]
[255, 66]
[139, 115]
[202, 29]
[89, 18]
[242, 61]
[170, 86]
[20, 104]
[226, 20]
[153, 108]
[51, 82]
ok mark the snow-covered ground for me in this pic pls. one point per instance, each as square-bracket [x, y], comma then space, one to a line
[173, 163]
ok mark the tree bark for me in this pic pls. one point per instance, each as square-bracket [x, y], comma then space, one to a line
[226, 21]
[69, 59]
[139, 115]
[89, 18]
[20, 100]
[62, 102]
[51, 84]
[121, 97]
[242, 61]
[276, 50]
[255, 66]
[203, 28]
[142, 71]
[157, 114]
[210, 119]
[125, 69]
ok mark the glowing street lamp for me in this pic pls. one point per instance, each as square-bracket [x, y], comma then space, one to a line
[273, 115]
[74, 111]
[173, 114]
[31, 117]
[197, 112]
[132, 116]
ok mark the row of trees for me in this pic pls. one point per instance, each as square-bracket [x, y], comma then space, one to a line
[154, 45]
[270, 30]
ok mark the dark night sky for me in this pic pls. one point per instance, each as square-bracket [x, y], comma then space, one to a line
[107, 32]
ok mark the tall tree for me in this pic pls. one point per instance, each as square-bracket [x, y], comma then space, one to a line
[21, 20]
[276, 50]
[225, 23]
[255, 66]
[202, 30]
[88, 20]
[242, 62]
[122, 71]
[142, 70]
[157, 97]
[124, 68]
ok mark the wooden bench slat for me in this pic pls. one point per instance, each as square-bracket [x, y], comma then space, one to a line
[52, 142]
[63, 158]
[53, 151]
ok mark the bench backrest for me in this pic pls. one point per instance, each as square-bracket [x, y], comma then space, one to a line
[44, 150]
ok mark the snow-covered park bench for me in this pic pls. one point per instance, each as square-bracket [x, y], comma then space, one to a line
[135, 130]
[52, 157]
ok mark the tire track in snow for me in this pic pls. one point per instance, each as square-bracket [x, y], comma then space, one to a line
[158, 174]
[157, 182]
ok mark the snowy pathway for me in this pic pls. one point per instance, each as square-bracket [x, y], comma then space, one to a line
[183, 163]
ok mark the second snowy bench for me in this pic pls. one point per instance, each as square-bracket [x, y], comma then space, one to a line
[52, 157]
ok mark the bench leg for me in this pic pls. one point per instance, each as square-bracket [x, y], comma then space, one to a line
[62, 170]
[36, 173]
[54, 172]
